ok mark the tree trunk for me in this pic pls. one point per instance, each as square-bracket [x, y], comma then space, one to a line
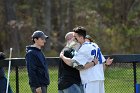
[70, 15]
[47, 18]
[61, 32]
[12, 28]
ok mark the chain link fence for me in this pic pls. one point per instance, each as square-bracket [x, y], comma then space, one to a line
[23, 80]
[119, 78]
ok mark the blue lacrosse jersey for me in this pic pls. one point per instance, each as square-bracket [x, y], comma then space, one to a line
[87, 53]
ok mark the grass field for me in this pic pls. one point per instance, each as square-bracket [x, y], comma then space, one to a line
[117, 80]
[23, 81]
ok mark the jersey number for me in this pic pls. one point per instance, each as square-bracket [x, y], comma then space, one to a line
[97, 54]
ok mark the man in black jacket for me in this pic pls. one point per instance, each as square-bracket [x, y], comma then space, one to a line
[37, 66]
[69, 80]
[3, 80]
[68, 77]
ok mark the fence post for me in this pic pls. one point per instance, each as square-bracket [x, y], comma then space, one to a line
[135, 77]
[17, 79]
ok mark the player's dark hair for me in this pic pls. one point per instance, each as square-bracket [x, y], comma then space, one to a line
[34, 38]
[81, 31]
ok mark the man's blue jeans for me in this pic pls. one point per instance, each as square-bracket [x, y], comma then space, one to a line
[72, 89]
[3, 85]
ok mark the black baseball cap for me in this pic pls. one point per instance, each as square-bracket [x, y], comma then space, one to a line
[39, 34]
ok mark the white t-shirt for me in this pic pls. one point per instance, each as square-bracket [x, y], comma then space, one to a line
[85, 54]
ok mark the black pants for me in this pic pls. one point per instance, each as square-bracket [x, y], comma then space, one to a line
[44, 89]
[3, 85]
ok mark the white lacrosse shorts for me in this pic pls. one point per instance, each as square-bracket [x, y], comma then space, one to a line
[94, 87]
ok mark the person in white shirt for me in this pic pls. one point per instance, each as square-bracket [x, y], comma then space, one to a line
[92, 78]
[109, 61]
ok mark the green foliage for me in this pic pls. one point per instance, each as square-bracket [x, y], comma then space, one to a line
[114, 24]
[51, 53]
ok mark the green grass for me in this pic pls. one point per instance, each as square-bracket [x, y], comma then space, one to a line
[117, 80]
[23, 81]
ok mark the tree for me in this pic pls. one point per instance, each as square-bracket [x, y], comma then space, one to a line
[12, 29]
[47, 19]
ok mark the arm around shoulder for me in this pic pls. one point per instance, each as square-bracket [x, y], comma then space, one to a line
[68, 61]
